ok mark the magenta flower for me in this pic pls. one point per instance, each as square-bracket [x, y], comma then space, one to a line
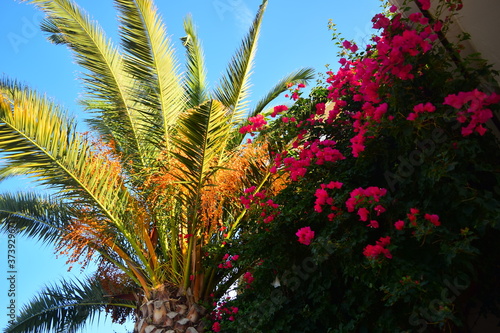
[363, 214]
[216, 327]
[426, 4]
[399, 225]
[305, 235]
[433, 218]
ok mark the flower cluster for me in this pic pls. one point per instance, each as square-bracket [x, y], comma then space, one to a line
[223, 312]
[269, 209]
[248, 278]
[476, 112]
[317, 152]
[257, 123]
[305, 235]
[228, 261]
[362, 78]
[295, 93]
[414, 212]
[278, 109]
[421, 108]
[362, 198]
[323, 198]
[374, 251]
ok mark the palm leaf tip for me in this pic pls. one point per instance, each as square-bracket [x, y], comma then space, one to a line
[195, 77]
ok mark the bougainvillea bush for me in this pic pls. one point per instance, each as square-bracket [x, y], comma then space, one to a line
[390, 219]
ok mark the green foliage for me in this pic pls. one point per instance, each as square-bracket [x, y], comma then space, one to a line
[65, 307]
[436, 272]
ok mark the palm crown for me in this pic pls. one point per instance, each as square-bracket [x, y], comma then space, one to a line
[156, 184]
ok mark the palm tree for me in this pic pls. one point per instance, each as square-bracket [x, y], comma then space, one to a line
[150, 194]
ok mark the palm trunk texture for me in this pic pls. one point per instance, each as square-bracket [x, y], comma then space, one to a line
[168, 312]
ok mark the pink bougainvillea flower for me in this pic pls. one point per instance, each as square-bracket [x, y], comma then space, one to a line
[278, 109]
[320, 108]
[373, 224]
[333, 185]
[305, 235]
[438, 26]
[412, 116]
[425, 4]
[248, 277]
[384, 241]
[363, 214]
[399, 225]
[347, 44]
[412, 216]
[433, 218]
[374, 251]
[216, 327]
[379, 209]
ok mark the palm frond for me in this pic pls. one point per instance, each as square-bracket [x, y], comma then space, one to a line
[64, 307]
[202, 133]
[300, 76]
[234, 86]
[106, 81]
[151, 62]
[195, 80]
[13, 170]
[41, 217]
[36, 133]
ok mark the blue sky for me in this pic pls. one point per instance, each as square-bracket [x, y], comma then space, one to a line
[293, 35]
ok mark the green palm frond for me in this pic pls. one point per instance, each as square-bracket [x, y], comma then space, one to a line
[302, 75]
[13, 170]
[37, 134]
[64, 307]
[46, 142]
[150, 60]
[41, 217]
[106, 82]
[234, 86]
[202, 134]
[195, 80]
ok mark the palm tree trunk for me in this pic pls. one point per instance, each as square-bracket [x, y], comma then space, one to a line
[168, 312]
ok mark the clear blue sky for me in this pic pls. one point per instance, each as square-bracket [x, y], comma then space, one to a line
[294, 35]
